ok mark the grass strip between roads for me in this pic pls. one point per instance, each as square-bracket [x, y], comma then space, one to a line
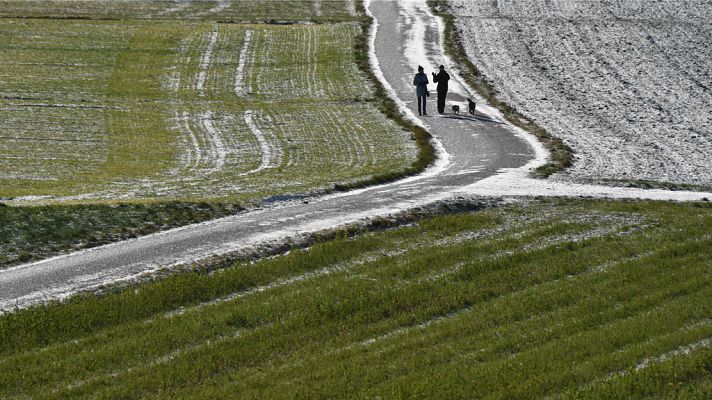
[562, 298]
[561, 154]
[33, 233]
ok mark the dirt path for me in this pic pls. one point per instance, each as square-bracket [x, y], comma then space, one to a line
[479, 155]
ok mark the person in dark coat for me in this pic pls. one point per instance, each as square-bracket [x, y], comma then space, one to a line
[420, 81]
[441, 79]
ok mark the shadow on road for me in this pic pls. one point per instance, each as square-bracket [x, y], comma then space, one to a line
[476, 117]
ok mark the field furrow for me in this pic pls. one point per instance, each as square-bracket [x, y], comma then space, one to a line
[242, 61]
[543, 298]
[622, 83]
[187, 110]
[205, 63]
[270, 146]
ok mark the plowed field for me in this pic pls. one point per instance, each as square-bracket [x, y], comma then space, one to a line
[626, 84]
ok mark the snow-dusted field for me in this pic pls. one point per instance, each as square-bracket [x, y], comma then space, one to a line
[224, 10]
[136, 110]
[627, 84]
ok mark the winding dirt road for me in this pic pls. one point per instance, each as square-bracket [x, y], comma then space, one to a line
[479, 155]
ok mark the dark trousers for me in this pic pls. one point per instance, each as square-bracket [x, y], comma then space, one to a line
[441, 101]
[421, 103]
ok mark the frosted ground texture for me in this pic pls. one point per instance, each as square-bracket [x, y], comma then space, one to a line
[104, 110]
[627, 84]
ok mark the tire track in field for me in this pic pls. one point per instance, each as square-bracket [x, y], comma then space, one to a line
[204, 148]
[205, 63]
[498, 235]
[192, 154]
[240, 72]
[269, 144]
[216, 145]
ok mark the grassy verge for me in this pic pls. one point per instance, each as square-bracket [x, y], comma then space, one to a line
[562, 298]
[33, 233]
[561, 154]
[648, 184]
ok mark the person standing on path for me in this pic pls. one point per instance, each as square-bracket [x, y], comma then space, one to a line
[441, 79]
[421, 89]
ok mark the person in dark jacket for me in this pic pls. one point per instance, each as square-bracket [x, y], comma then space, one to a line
[441, 79]
[421, 89]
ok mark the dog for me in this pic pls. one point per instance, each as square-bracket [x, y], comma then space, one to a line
[456, 109]
[471, 104]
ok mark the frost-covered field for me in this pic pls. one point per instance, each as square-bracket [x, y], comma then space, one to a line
[627, 84]
[137, 109]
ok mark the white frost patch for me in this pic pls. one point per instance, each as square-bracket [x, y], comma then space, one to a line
[510, 182]
[240, 73]
[351, 7]
[317, 8]
[180, 5]
[205, 63]
[271, 149]
[217, 151]
[219, 6]
[680, 351]
[516, 182]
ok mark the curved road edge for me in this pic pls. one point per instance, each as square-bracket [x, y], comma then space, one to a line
[479, 157]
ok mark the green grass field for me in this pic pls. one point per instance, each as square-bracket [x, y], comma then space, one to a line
[541, 299]
[175, 109]
[37, 232]
[216, 10]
